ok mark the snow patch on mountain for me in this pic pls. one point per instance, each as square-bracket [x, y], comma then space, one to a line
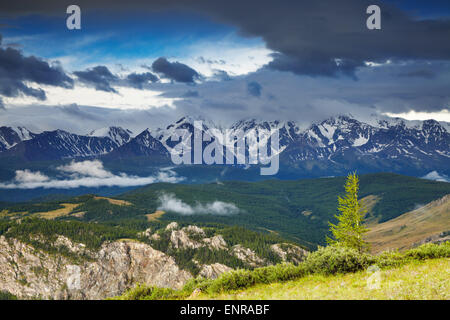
[117, 134]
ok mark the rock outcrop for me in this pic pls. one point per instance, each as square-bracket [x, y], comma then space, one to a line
[248, 255]
[69, 270]
[217, 242]
[289, 252]
[180, 239]
[212, 271]
[27, 272]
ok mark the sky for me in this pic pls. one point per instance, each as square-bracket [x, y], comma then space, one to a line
[141, 64]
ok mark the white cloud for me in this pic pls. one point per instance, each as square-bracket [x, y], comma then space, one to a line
[170, 203]
[90, 168]
[223, 55]
[83, 119]
[443, 115]
[125, 99]
[27, 176]
[434, 175]
[85, 174]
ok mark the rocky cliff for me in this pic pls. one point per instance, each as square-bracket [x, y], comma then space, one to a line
[29, 272]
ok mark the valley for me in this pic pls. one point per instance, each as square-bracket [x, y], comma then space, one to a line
[166, 234]
[297, 210]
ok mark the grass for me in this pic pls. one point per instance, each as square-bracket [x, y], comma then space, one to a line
[412, 227]
[67, 208]
[155, 215]
[369, 203]
[116, 202]
[418, 280]
[332, 272]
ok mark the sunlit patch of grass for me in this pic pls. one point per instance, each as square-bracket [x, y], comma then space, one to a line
[116, 202]
[428, 280]
[155, 215]
[67, 208]
[410, 228]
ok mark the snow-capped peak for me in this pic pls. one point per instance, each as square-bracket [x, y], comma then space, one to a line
[10, 136]
[23, 133]
[117, 134]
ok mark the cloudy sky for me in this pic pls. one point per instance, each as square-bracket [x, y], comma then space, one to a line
[143, 64]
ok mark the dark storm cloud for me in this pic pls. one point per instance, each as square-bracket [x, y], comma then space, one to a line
[16, 69]
[254, 88]
[99, 77]
[426, 74]
[191, 94]
[322, 37]
[178, 92]
[202, 60]
[74, 111]
[221, 75]
[137, 80]
[175, 71]
[314, 66]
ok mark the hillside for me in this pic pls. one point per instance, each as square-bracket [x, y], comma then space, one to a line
[165, 235]
[333, 272]
[418, 280]
[38, 256]
[297, 210]
[428, 221]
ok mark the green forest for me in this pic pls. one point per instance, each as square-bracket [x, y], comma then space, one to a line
[297, 210]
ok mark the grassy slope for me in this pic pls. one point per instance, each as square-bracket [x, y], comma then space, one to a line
[418, 280]
[411, 227]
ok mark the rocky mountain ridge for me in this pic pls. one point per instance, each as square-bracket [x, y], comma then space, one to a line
[333, 145]
[30, 272]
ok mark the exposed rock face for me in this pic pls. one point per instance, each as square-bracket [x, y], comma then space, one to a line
[155, 236]
[180, 239]
[147, 233]
[247, 255]
[289, 252]
[195, 230]
[216, 242]
[172, 226]
[73, 247]
[437, 238]
[214, 270]
[117, 266]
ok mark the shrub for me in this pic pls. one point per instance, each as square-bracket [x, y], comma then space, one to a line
[279, 273]
[326, 260]
[336, 259]
[143, 292]
[429, 251]
[241, 279]
[5, 295]
[389, 259]
[196, 283]
[233, 280]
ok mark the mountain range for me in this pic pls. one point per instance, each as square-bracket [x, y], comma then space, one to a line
[329, 147]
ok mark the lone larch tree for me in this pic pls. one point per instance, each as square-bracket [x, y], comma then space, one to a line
[349, 230]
